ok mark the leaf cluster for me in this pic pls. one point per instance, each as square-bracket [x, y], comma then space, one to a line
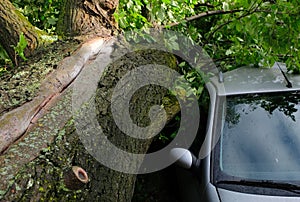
[139, 14]
[234, 33]
[20, 47]
[41, 13]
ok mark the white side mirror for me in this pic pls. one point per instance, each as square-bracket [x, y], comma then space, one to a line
[183, 156]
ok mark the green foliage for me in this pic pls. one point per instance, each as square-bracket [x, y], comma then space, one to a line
[41, 13]
[259, 34]
[251, 32]
[20, 47]
[139, 14]
[243, 32]
[233, 32]
[19, 51]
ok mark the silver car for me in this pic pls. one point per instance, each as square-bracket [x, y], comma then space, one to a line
[251, 150]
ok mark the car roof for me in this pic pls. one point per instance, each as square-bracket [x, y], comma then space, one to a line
[246, 80]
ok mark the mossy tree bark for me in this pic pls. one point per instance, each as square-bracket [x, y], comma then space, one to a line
[43, 179]
[12, 24]
[78, 18]
[88, 17]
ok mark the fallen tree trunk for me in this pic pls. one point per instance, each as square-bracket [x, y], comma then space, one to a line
[14, 124]
[43, 177]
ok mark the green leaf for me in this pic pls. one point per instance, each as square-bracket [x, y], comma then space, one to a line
[22, 44]
[172, 43]
[2, 192]
[225, 6]
[228, 52]
[240, 39]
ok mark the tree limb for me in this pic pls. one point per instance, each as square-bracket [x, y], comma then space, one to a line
[200, 15]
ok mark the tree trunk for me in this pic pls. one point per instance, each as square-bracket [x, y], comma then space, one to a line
[87, 17]
[51, 177]
[78, 18]
[12, 24]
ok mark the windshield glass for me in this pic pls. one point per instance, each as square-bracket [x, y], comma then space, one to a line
[260, 137]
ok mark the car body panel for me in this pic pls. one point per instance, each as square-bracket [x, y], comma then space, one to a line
[253, 80]
[232, 196]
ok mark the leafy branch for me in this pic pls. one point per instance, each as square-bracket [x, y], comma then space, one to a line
[249, 12]
[200, 15]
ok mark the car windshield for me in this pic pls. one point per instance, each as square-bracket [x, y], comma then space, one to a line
[260, 137]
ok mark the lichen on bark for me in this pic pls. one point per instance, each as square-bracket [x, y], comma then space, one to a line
[21, 84]
[42, 178]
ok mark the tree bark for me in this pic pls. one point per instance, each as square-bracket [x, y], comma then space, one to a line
[83, 18]
[44, 178]
[12, 24]
[87, 17]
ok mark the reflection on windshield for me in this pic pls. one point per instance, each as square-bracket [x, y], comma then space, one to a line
[261, 137]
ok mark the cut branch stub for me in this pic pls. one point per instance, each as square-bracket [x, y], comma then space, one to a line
[75, 178]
